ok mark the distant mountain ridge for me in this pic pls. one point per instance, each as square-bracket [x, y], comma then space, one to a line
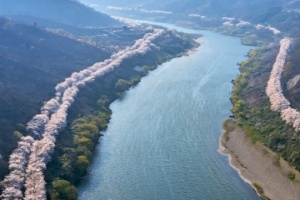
[182, 8]
[63, 11]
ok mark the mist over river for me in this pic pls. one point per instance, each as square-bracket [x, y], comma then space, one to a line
[162, 141]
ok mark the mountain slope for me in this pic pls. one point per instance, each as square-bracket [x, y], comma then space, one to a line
[217, 8]
[32, 62]
[63, 11]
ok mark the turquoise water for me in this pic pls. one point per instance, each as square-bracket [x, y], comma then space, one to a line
[163, 138]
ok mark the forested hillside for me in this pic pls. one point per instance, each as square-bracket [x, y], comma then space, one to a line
[32, 62]
[291, 76]
[211, 8]
[63, 11]
[280, 14]
[44, 41]
[34, 59]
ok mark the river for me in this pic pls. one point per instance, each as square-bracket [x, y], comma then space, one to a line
[162, 141]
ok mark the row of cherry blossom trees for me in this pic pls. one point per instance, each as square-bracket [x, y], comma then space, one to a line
[274, 90]
[28, 162]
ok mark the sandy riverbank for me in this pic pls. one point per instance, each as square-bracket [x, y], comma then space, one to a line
[259, 166]
[194, 50]
[190, 52]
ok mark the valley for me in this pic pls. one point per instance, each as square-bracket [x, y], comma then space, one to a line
[46, 45]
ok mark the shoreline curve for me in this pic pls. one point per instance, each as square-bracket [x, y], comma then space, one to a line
[267, 173]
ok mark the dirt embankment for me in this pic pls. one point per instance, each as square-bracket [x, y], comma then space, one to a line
[272, 177]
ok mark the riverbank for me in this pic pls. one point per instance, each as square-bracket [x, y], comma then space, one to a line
[90, 114]
[194, 50]
[270, 175]
[154, 150]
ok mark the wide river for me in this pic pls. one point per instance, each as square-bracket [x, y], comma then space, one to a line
[162, 141]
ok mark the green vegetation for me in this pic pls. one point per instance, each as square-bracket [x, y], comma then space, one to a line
[75, 145]
[258, 188]
[276, 160]
[63, 190]
[29, 74]
[90, 114]
[229, 125]
[260, 191]
[73, 156]
[291, 176]
[252, 108]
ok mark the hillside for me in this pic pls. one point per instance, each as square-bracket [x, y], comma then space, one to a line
[60, 11]
[291, 75]
[206, 14]
[32, 62]
[211, 8]
[44, 41]
[39, 48]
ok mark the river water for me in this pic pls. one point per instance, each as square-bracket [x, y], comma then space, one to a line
[162, 141]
